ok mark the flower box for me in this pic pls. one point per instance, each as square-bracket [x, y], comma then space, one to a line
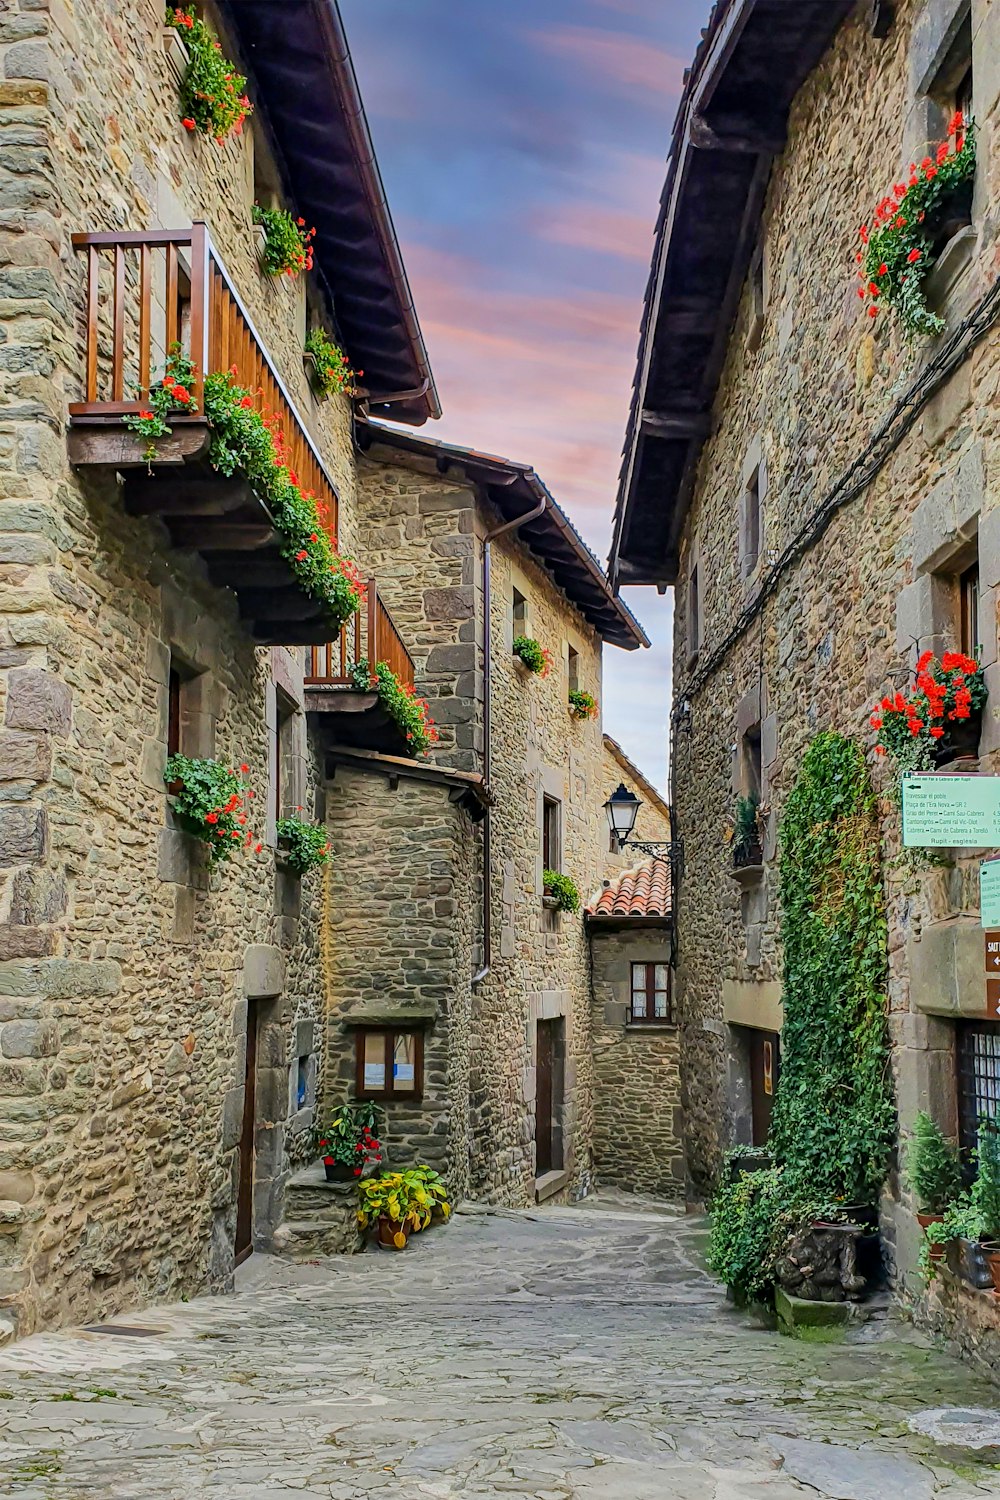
[961, 740]
[550, 903]
[312, 373]
[178, 56]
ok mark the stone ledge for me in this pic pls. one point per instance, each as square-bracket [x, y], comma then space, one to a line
[549, 1184]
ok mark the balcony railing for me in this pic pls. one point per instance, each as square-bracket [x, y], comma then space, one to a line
[150, 289]
[372, 635]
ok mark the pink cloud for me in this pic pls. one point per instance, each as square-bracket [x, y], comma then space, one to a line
[588, 227]
[631, 62]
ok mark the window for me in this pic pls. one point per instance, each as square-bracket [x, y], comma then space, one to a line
[694, 612]
[751, 768]
[283, 789]
[978, 1058]
[951, 89]
[174, 712]
[519, 612]
[750, 524]
[302, 1083]
[390, 1064]
[652, 999]
[551, 833]
[574, 670]
[968, 596]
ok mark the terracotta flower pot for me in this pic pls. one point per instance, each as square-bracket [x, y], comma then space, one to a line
[991, 1255]
[391, 1234]
[936, 1252]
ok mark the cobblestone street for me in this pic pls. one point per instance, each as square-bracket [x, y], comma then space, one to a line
[566, 1353]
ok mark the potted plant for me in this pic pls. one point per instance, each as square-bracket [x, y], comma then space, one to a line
[987, 1194]
[532, 655]
[582, 705]
[348, 1143]
[328, 366]
[746, 835]
[287, 249]
[212, 93]
[305, 845]
[211, 801]
[387, 1202]
[939, 719]
[959, 1231]
[561, 891]
[933, 1172]
[429, 1197]
[410, 713]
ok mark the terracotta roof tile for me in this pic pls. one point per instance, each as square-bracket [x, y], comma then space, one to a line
[642, 892]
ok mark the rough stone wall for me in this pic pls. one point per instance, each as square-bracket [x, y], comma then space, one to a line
[400, 908]
[424, 534]
[844, 621]
[126, 968]
[638, 1126]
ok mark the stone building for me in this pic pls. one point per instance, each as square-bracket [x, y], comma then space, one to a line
[652, 824]
[823, 496]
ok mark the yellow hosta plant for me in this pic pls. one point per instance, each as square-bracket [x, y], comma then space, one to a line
[409, 1197]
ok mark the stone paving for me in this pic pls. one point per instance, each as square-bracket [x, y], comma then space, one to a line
[565, 1354]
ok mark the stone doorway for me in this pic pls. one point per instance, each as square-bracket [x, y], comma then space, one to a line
[550, 1049]
[244, 1200]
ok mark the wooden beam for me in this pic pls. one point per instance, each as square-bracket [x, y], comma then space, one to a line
[179, 496]
[735, 133]
[281, 604]
[111, 447]
[203, 536]
[243, 570]
[676, 424]
[291, 633]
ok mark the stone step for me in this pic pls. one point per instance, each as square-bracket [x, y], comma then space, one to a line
[305, 1239]
[320, 1217]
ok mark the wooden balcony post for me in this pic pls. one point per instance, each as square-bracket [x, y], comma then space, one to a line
[200, 319]
[372, 630]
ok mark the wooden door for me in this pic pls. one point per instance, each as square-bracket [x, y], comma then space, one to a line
[764, 1069]
[244, 1200]
[544, 1071]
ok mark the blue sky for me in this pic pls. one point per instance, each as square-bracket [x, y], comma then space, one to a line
[522, 146]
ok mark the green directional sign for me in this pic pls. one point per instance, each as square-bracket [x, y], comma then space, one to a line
[989, 895]
[944, 811]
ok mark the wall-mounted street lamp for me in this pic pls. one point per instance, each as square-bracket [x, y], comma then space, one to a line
[622, 809]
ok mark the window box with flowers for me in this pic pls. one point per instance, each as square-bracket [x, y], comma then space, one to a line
[938, 720]
[912, 226]
[286, 247]
[531, 656]
[328, 367]
[213, 100]
[302, 846]
[410, 713]
[212, 802]
[582, 705]
[560, 892]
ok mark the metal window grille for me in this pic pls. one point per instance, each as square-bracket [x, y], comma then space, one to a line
[978, 1078]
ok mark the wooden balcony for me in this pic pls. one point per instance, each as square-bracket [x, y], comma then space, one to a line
[146, 291]
[353, 716]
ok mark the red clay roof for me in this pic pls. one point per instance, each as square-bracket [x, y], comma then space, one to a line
[642, 892]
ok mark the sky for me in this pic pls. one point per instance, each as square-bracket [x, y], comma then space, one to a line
[523, 148]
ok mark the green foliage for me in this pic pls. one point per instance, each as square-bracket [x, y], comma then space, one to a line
[834, 1119]
[933, 1169]
[898, 250]
[564, 890]
[752, 1218]
[963, 1220]
[534, 656]
[986, 1190]
[213, 93]
[173, 393]
[245, 442]
[211, 802]
[350, 1134]
[400, 703]
[333, 368]
[746, 828]
[582, 705]
[307, 843]
[287, 242]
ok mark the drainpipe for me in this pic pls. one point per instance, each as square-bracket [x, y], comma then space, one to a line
[491, 536]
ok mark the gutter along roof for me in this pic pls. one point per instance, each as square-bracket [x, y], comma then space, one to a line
[303, 83]
[753, 59]
[513, 489]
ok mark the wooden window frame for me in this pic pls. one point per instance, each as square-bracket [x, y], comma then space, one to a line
[390, 1033]
[649, 985]
[552, 833]
[968, 609]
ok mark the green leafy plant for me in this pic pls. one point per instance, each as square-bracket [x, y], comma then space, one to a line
[333, 368]
[428, 1195]
[212, 802]
[562, 889]
[410, 713]
[387, 1196]
[287, 242]
[746, 830]
[582, 705]
[535, 656]
[986, 1189]
[213, 93]
[348, 1138]
[933, 1168]
[897, 249]
[171, 393]
[943, 693]
[834, 1118]
[963, 1220]
[752, 1217]
[307, 844]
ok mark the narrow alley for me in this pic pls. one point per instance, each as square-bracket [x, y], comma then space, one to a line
[572, 1352]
